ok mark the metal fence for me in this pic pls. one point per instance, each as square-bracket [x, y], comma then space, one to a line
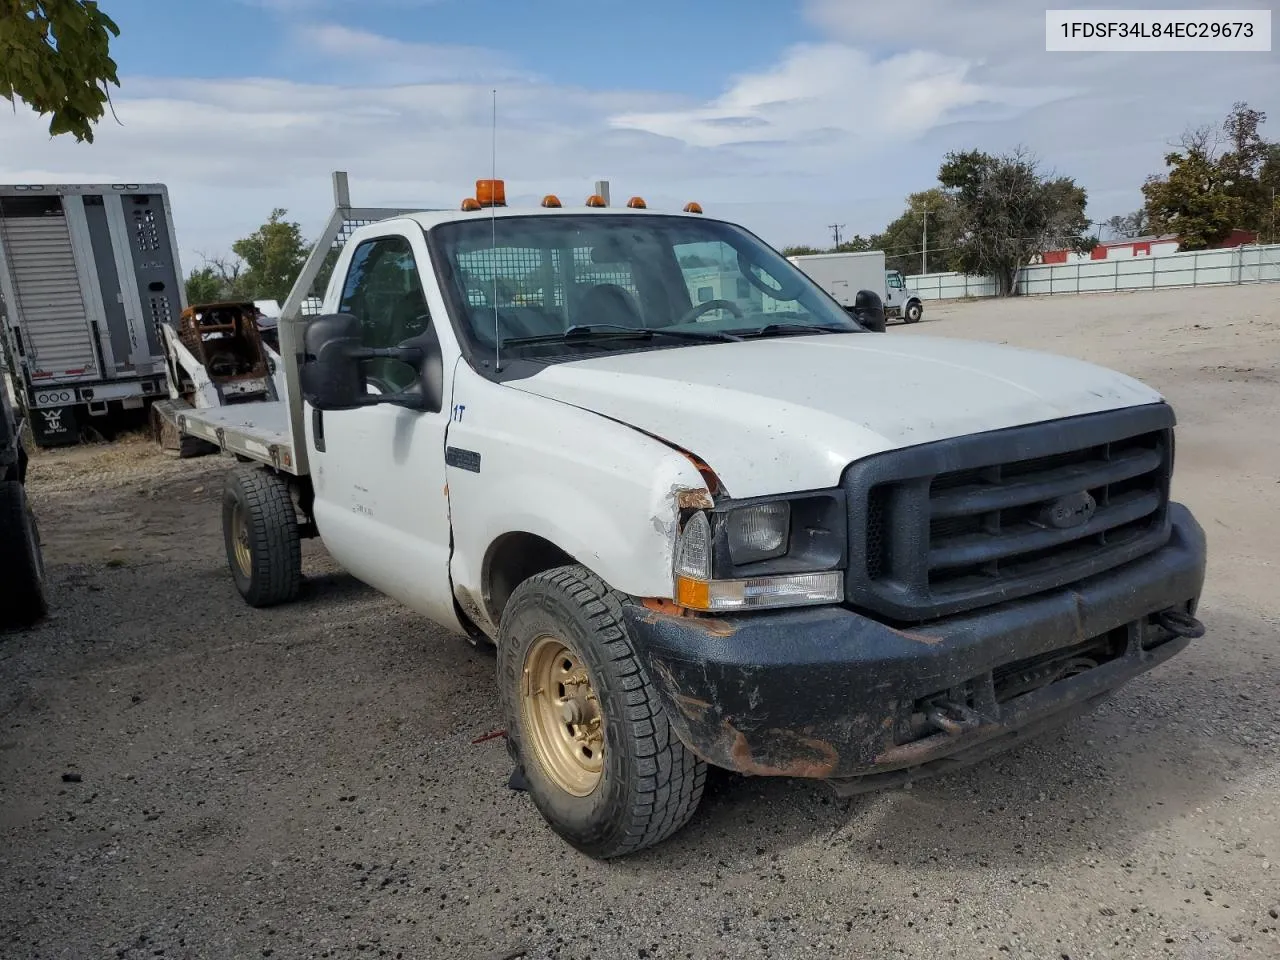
[1247, 264]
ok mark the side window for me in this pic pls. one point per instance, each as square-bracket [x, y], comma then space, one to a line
[383, 290]
[895, 281]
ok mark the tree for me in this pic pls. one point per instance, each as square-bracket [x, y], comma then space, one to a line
[218, 279]
[55, 57]
[204, 285]
[800, 250]
[1008, 211]
[1221, 178]
[1129, 226]
[903, 239]
[855, 244]
[274, 255]
[1192, 201]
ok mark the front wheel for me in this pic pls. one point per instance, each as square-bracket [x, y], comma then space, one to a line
[915, 310]
[602, 764]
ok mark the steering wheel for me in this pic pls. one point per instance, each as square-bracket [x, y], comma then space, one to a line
[710, 305]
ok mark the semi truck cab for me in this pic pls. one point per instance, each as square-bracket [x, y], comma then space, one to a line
[733, 529]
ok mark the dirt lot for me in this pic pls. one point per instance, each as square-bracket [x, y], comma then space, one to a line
[304, 782]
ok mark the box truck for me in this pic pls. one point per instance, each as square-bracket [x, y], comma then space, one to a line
[843, 274]
[88, 274]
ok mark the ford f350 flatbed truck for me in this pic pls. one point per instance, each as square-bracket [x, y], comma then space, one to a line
[701, 532]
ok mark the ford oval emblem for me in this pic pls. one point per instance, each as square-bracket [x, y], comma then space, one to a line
[1073, 510]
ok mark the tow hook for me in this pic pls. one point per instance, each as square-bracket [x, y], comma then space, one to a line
[1180, 623]
[953, 718]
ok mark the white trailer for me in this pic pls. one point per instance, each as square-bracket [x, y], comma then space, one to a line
[89, 274]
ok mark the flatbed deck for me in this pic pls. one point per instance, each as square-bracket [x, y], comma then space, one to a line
[257, 431]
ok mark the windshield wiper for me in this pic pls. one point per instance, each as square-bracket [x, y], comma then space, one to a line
[617, 331]
[775, 329]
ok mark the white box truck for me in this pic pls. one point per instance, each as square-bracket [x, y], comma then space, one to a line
[88, 274]
[699, 531]
[843, 274]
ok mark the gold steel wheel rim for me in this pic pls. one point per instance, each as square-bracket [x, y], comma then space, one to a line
[562, 717]
[240, 539]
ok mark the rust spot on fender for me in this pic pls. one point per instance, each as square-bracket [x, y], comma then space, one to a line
[918, 637]
[664, 606]
[694, 499]
[660, 607]
[692, 707]
[781, 753]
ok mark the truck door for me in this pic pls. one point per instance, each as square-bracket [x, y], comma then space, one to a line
[379, 473]
[893, 290]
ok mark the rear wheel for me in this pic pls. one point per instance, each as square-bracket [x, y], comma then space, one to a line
[600, 759]
[260, 532]
[21, 560]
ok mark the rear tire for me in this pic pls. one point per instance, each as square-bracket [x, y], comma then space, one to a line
[622, 783]
[22, 596]
[260, 533]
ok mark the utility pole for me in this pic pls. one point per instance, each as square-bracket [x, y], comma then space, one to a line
[924, 247]
[835, 231]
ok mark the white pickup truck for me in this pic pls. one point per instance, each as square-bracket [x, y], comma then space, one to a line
[699, 532]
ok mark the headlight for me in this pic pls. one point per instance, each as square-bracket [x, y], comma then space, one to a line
[777, 553]
[759, 532]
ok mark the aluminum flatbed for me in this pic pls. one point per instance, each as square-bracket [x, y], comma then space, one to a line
[256, 431]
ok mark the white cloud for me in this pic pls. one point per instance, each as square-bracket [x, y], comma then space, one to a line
[836, 90]
[369, 58]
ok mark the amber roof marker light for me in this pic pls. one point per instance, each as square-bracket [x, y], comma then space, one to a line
[595, 200]
[551, 200]
[637, 203]
[491, 193]
[693, 207]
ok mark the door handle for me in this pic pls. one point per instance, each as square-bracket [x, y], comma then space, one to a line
[317, 428]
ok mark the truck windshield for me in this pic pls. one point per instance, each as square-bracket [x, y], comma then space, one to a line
[530, 280]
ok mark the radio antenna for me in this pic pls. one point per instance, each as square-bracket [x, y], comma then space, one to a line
[493, 228]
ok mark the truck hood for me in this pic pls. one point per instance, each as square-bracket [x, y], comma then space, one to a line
[781, 415]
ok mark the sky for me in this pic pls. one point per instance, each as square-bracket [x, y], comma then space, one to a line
[784, 115]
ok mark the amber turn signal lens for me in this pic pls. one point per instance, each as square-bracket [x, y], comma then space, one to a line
[695, 594]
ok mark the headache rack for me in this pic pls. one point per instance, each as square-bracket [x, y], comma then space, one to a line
[959, 524]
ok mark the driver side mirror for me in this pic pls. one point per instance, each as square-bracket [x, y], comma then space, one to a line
[330, 369]
[868, 310]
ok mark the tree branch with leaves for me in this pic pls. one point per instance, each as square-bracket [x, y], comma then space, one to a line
[55, 57]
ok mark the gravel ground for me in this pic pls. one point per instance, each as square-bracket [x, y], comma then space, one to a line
[181, 776]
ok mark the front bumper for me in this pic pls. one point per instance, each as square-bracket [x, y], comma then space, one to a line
[829, 693]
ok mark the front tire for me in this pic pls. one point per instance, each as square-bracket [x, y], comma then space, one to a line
[915, 310]
[602, 764]
[21, 561]
[260, 533]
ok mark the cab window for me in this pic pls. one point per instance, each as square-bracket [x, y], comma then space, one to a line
[383, 290]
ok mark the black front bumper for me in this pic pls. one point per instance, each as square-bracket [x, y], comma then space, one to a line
[829, 693]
